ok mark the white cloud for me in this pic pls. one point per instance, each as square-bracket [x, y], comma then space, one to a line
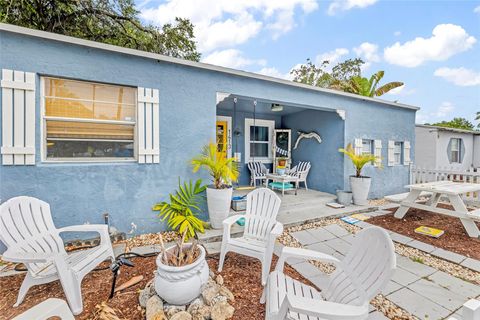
[444, 110]
[224, 23]
[368, 52]
[274, 72]
[476, 10]
[446, 41]
[459, 76]
[401, 91]
[397, 33]
[231, 58]
[344, 5]
[333, 56]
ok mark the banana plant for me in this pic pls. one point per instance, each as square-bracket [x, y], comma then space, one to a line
[368, 87]
[358, 160]
[183, 209]
[223, 170]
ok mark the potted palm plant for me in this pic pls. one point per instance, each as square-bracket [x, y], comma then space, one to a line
[224, 172]
[359, 184]
[183, 265]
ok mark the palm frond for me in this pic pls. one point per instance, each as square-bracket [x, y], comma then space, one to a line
[387, 87]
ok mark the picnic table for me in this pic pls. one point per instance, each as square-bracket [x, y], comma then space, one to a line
[449, 189]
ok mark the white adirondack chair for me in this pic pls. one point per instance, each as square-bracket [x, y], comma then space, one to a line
[258, 171]
[261, 230]
[27, 229]
[47, 309]
[346, 293]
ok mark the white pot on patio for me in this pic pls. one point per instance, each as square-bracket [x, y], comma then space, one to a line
[218, 202]
[360, 187]
[181, 285]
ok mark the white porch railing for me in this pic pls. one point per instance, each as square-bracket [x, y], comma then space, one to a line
[423, 175]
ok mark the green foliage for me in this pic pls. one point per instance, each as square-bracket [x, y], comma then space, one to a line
[358, 160]
[458, 123]
[223, 170]
[478, 119]
[114, 22]
[345, 76]
[182, 210]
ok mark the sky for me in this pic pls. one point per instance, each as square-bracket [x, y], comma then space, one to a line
[431, 46]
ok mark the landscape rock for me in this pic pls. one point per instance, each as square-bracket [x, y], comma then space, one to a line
[154, 309]
[227, 293]
[182, 315]
[146, 294]
[170, 310]
[222, 311]
[219, 280]
[210, 291]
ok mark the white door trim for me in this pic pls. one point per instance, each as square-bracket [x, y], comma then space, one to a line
[229, 133]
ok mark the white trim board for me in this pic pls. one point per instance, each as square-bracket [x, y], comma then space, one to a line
[156, 56]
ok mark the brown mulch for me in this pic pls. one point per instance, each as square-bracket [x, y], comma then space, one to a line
[241, 275]
[454, 239]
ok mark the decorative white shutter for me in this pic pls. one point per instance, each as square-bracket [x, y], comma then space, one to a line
[406, 153]
[18, 117]
[377, 152]
[358, 146]
[148, 126]
[391, 153]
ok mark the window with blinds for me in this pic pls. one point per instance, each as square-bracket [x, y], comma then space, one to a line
[88, 121]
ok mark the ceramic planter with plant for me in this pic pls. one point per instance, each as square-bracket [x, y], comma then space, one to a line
[224, 172]
[359, 184]
[183, 266]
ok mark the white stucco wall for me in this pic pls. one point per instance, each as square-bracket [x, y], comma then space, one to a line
[476, 151]
[425, 147]
[442, 146]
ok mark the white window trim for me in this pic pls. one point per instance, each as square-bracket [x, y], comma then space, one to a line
[263, 123]
[43, 131]
[229, 133]
[401, 153]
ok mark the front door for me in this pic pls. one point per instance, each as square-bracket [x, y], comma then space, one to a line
[222, 141]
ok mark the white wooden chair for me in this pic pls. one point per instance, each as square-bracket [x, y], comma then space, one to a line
[258, 171]
[27, 229]
[261, 230]
[345, 294]
[301, 171]
[47, 309]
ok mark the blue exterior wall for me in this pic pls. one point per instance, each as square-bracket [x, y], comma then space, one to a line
[81, 192]
[326, 173]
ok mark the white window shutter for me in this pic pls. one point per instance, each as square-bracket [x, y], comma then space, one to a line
[391, 153]
[358, 146]
[18, 117]
[148, 126]
[377, 152]
[406, 153]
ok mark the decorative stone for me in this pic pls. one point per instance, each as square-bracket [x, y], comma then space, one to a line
[219, 280]
[212, 274]
[146, 294]
[227, 293]
[218, 298]
[182, 315]
[170, 310]
[222, 310]
[209, 292]
[154, 309]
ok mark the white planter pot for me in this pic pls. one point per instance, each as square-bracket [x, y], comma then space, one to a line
[344, 197]
[181, 285]
[360, 187]
[218, 202]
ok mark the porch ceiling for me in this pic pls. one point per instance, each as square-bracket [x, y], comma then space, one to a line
[245, 104]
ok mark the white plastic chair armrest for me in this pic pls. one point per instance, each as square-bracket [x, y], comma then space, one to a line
[232, 219]
[324, 309]
[15, 255]
[277, 230]
[102, 229]
[290, 252]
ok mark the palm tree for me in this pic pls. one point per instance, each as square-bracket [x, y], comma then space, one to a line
[368, 87]
[478, 118]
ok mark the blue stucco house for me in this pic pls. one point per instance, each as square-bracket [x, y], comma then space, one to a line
[93, 128]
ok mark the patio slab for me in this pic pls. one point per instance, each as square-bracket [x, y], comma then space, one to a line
[448, 255]
[421, 246]
[403, 277]
[437, 294]
[458, 286]
[336, 230]
[471, 264]
[419, 269]
[418, 305]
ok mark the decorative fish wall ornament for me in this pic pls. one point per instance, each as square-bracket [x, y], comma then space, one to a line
[305, 135]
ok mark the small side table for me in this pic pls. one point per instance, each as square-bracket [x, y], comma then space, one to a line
[283, 179]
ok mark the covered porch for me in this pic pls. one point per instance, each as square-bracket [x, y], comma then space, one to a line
[252, 129]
